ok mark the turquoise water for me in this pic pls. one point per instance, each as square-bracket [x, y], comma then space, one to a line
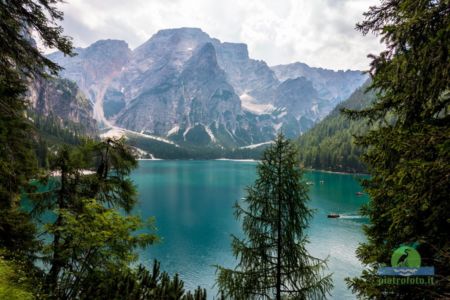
[192, 202]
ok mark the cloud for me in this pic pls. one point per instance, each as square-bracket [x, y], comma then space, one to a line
[319, 33]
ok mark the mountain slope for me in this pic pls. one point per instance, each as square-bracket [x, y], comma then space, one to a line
[193, 102]
[329, 145]
[62, 101]
[93, 69]
[197, 91]
[333, 85]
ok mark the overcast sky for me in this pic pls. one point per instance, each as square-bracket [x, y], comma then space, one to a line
[318, 32]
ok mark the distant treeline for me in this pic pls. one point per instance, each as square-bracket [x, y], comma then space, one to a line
[329, 145]
[169, 151]
[52, 131]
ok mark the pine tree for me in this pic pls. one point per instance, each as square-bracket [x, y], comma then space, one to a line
[408, 152]
[139, 284]
[17, 164]
[93, 241]
[18, 51]
[19, 61]
[273, 260]
[109, 162]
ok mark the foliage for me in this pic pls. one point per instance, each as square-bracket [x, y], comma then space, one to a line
[330, 144]
[273, 260]
[95, 239]
[90, 241]
[139, 284]
[169, 151]
[17, 165]
[20, 17]
[19, 58]
[87, 237]
[408, 157]
[109, 163]
[14, 284]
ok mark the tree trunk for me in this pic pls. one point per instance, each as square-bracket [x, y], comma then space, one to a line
[57, 260]
[278, 283]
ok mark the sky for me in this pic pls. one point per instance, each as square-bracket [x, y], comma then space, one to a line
[320, 33]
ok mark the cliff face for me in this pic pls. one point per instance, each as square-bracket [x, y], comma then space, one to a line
[64, 100]
[94, 68]
[190, 88]
[248, 76]
[333, 86]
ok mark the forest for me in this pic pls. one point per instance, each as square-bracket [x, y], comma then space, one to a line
[67, 230]
[330, 144]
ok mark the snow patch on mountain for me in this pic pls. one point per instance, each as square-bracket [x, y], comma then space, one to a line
[186, 132]
[117, 132]
[277, 126]
[253, 146]
[211, 135]
[315, 109]
[174, 130]
[248, 103]
[282, 114]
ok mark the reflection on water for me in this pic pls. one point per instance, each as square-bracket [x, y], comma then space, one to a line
[192, 202]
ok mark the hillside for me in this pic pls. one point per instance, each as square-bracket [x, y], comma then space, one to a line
[329, 145]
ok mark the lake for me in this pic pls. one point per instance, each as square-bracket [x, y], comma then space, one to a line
[192, 202]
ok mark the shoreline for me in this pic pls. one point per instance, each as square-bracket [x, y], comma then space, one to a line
[237, 159]
[256, 160]
[337, 172]
[204, 159]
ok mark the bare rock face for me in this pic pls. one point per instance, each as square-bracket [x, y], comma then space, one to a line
[191, 101]
[248, 76]
[94, 68]
[332, 86]
[64, 100]
[190, 88]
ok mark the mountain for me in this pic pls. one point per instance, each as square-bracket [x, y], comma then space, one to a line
[335, 86]
[329, 145]
[195, 101]
[249, 77]
[93, 69]
[195, 91]
[63, 102]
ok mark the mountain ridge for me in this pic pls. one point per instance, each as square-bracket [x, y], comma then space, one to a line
[239, 101]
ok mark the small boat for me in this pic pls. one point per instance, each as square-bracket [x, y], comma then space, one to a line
[359, 193]
[333, 216]
[309, 183]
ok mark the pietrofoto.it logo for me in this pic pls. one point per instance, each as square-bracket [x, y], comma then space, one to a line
[406, 268]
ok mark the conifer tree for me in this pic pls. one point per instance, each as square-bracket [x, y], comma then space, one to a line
[273, 260]
[20, 60]
[139, 284]
[109, 162]
[408, 151]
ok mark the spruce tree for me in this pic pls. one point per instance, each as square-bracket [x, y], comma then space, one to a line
[109, 163]
[18, 18]
[408, 150]
[20, 60]
[273, 260]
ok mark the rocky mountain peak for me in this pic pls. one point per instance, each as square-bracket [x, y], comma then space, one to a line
[203, 64]
[234, 51]
[173, 46]
[184, 85]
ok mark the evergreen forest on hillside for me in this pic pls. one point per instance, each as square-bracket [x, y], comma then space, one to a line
[68, 228]
[330, 144]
